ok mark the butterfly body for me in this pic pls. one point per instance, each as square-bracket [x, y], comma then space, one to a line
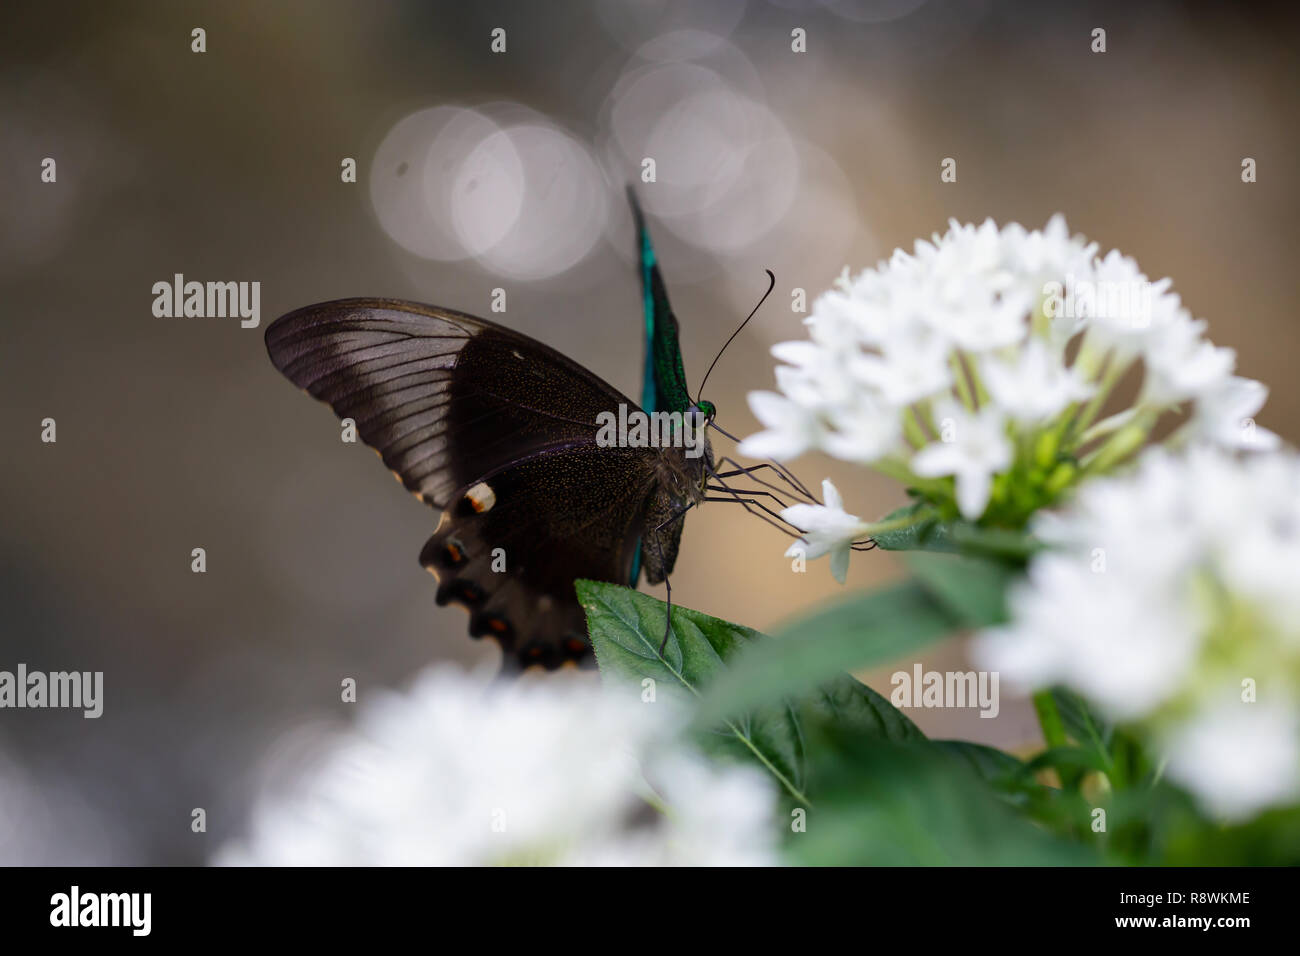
[499, 432]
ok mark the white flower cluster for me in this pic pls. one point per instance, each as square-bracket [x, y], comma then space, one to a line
[462, 771]
[975, 369]
[1168, 599]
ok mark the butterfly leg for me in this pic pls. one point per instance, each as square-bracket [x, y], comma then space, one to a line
[775, 519]
[747, 491]
[780, 469]
[668, 585]
[748, 499]
[783, 473]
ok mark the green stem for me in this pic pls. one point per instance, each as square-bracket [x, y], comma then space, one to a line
[1049, 719]
[1121, 444]
[981, 395]
[1107, 425]
[912, 429]
[896, 468]
[1115, 369]
[963, 384]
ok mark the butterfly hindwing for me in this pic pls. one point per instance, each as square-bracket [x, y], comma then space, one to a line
[499, 432]
[516, 541]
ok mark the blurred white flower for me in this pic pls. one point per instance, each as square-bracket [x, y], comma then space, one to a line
[1035, 386]
[791, 428]
[1169, 600]
[983, 319]
[1124, 649]
[1226, 417]
[1180, 364]
[463, 771]
[972, 448]
[1239, 758]
[908, 368]
[827, 529]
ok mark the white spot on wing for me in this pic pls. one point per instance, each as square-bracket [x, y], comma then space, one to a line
[481, 497]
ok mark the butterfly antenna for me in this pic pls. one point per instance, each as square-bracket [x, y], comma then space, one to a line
[771, 284]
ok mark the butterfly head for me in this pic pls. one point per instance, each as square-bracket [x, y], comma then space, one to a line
[702, 413]
[697, 460]
[697, 418]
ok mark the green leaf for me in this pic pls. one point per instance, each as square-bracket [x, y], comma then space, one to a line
[948, 593]
[882, 804]
[857, 632]
[928, 534]
[995, 766]
[1184, 837]
[1067, 758]
[957, 537]
[1083, 726]
[1005, 544]
[973, 590]
[847, 702]
[626, 629]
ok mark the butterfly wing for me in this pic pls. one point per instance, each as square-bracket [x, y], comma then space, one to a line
[663, 389]
[496, 430]
[664, 382]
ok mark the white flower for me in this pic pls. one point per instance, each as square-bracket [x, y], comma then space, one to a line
[1259, 559]
[909, 368]
[461, 771]
[1124, 308]
[863, 433]
[1030, 331]
[1182, 365]
[1035, 387]
[1162, 588]
[1125, 649]
[791, 428]
[827, 529]
[973, 448]
[1051, 252]
[1226, 415]
[1239, 757]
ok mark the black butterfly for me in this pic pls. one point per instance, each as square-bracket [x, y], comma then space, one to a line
[500, 433]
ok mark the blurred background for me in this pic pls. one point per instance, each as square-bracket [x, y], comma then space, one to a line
[479, 170]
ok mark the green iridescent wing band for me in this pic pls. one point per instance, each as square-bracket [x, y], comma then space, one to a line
[664, 387]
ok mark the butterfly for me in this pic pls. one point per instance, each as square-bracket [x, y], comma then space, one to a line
[502, 435]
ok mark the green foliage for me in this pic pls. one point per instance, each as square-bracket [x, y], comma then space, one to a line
[946, 594]
[884, 804]
[626, 629]
[863, 784]
[931, 532]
